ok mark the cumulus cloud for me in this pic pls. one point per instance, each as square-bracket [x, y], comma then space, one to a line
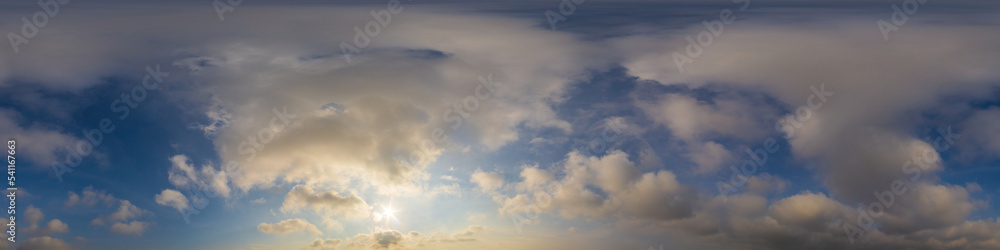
[90, 197]
[387, 238]
[320, 244]
[691, 119]
[124, 219]
[325, 203]
[126, 211]
[846, 124]
[698, 123]
[766, 183]
[381, 238]
[356, 121]
[623, 190]
[34, 217]
[134, 228]
[288, 226]
[316, 121]
[487, 181]
[45, 243]
[709, 157]
[533, 178]
[172, 198]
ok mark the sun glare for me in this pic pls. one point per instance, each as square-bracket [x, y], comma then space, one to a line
[388, 212]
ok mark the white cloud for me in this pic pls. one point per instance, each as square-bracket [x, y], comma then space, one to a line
[172, 198]
[260, 200]
[487, 181]
[450, 190]
[46, 144]
[34, 217]
[726, 116]
[124, 219]
[288, 226]
[710, 157]
[533, 178]
[90, 197]
[320, 244]
[184, 175]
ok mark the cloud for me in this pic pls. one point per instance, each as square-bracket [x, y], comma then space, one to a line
[533, 178]
[691, 119]
[709, 157]
[184, 175]
[808, 210]
[45, 243]
[470, 231]
[90, 198]
[387, 238]
[700, 123]
[351, 127]
[487, 181]
[765, 183]
[381, 238]
[349, 121]
[125, 219]
[451, 190]
[326, 203]
[863, 124]
[172, 198]
[34, 216]
[288, 226]
[622, 190]
[132, 228]
[229, 67]
[126, 212]
[47, 143]
[324, 244]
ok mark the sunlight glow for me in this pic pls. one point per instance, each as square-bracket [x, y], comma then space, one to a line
[388, 214]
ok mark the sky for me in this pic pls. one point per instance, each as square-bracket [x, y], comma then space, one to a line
[572, 124]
